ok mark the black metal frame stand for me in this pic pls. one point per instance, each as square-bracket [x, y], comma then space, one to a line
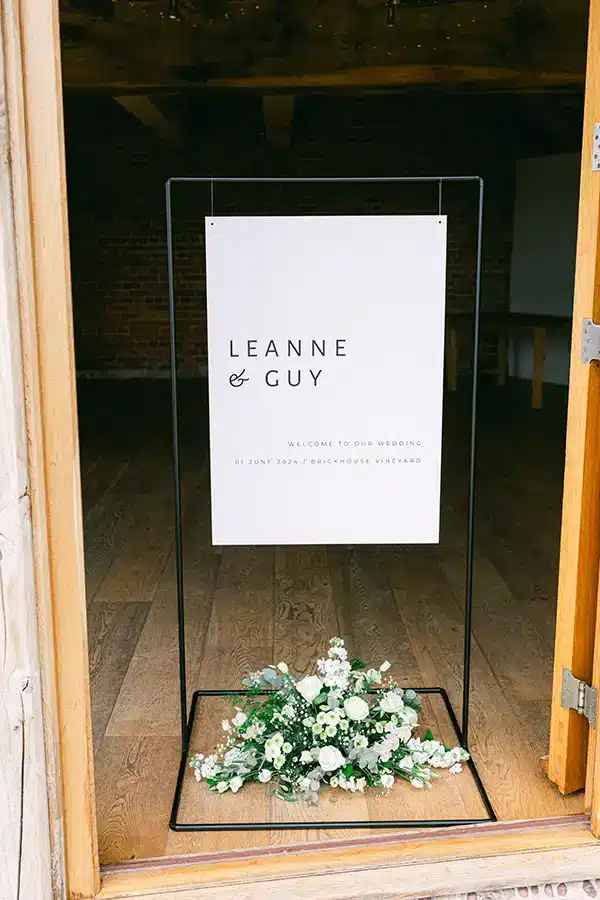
[187, 723]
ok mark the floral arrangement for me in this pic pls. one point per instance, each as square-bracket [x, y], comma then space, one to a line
[348, 727]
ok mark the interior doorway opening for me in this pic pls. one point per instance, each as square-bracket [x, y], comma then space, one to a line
[252, 607]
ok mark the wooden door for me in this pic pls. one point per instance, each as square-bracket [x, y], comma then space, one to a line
[580, 540]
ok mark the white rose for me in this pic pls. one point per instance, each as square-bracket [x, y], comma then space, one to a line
[356, 708]
[387, 781]
[264, 775]
[330, 759]
[236, 783]
[310, 687]
[391, 703]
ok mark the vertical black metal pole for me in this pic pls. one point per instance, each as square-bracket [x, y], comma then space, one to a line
[472, 469]
[177, 480]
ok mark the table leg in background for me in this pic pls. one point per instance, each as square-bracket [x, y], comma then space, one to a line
[452, 359]
[502, 358]
[539, 359]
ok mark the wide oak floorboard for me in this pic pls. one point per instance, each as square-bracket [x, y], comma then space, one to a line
[247, 607]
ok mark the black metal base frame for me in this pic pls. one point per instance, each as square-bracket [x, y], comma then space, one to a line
[175, 825]
[187, 723]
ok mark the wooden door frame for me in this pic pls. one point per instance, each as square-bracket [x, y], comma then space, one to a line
[480, 857]
[580, 538]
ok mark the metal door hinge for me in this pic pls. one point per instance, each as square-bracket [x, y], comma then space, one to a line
[579, 696]
[596, 149]
[590, 341]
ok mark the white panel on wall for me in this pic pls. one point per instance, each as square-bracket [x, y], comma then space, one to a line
[543, 256]
[326, 348]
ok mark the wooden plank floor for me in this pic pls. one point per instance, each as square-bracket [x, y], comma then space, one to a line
[249, 607]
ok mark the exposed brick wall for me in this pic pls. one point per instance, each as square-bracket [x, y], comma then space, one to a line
[117, 169]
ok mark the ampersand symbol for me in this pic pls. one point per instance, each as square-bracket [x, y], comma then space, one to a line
[238, 380]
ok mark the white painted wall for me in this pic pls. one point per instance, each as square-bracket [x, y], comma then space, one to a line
[543, 256]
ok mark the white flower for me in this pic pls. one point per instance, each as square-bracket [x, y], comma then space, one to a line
[379, 727]
[279, 761]
[308, 722]
[239, 719]
[384, 666]
[236, 783]
[456, 769]
[264, 775]
[356, 708]
[406, 763]
[417, 783]
[385, 752]
[288, 711]
[392, 741]
[330, 759]
[332, 717]
[410, 715]
[391, 703]
[306, 757]
[344, 725]
[305, 784]
[222, 786]
[225, 725]
[373, 675]
[282, 667]
[360, 741]
[404, 733]
[322, 718]
[286, 748]
[334, 781]
[387, 780]
[336, 672]
[331, 731]
[276, 739]
[310, 687]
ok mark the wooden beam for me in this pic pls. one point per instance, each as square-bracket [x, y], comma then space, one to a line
[145, 110]
[482, 858]
[278, 116]
[37, 145]
[580, 540]
[357, 79]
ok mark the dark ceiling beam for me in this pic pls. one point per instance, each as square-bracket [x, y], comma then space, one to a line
[392, 78]
[145, 110]
[278, 117]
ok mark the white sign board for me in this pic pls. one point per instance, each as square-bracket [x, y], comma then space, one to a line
[326, 348]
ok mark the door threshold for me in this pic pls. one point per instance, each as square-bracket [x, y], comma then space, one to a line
[474, 857]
